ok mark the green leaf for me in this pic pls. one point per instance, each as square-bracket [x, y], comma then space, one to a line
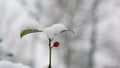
[28, 31]
[66, 31]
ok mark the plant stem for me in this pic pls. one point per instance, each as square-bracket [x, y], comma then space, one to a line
[50, 53]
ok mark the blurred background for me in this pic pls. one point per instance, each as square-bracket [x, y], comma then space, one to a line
[95, 22]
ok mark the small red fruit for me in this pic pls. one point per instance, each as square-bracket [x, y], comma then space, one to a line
[56, 44]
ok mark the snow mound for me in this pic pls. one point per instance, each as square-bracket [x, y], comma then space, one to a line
[8, 64]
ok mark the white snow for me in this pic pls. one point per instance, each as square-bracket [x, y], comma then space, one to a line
[54, 30]
[8, 64]
[29, 24]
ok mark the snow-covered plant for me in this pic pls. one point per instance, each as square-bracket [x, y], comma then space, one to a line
[51, 32]
[8, 64]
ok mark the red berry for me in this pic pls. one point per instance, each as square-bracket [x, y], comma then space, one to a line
[56, 44]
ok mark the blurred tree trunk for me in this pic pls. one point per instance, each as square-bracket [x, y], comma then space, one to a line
[93, 39]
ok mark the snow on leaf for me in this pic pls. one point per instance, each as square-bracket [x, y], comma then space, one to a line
[28, 31]
[9, 64]
[54, 30]
[51, 32]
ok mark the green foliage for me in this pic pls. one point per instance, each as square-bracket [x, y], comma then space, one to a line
[66, 31]
[28, 31]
